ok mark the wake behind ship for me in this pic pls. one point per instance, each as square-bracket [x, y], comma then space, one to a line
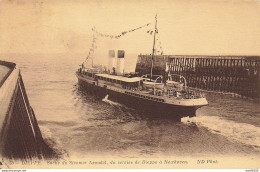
[152, 94]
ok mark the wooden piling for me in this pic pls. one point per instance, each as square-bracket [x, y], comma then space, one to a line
[233, 74]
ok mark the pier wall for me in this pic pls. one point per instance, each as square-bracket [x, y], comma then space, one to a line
[228, 74]
[20, 135]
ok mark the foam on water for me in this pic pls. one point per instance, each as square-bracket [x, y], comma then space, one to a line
[245, 133]
[53, 142]
[111, 102]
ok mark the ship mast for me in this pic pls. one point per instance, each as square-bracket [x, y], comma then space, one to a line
[155, 30]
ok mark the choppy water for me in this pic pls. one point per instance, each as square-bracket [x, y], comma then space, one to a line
[78, 125]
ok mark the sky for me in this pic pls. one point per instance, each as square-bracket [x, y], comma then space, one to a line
[193, 27]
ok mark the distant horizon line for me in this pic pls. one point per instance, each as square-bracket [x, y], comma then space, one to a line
[215, 55]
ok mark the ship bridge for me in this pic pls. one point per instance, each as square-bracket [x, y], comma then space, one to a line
[119, 78]
[120, 81]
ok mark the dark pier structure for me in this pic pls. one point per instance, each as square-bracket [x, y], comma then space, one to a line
[229, 74]
[20, 135]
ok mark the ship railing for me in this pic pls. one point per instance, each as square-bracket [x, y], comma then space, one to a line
[150, 79]
[185, 94]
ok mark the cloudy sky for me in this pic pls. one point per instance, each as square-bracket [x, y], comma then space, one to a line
[212, 27]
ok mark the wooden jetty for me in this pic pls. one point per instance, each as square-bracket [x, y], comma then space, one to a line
[20, 135]
[228, 74]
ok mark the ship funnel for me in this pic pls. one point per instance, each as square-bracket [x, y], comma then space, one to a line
[120, 62]
[111, 61]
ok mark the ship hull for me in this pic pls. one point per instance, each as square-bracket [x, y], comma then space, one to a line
[146, 107]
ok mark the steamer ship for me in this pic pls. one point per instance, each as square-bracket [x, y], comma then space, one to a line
[155, 94]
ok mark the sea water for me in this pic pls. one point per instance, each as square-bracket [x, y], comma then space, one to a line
[77, 124]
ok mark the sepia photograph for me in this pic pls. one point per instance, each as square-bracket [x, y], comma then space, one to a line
[140, 84]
